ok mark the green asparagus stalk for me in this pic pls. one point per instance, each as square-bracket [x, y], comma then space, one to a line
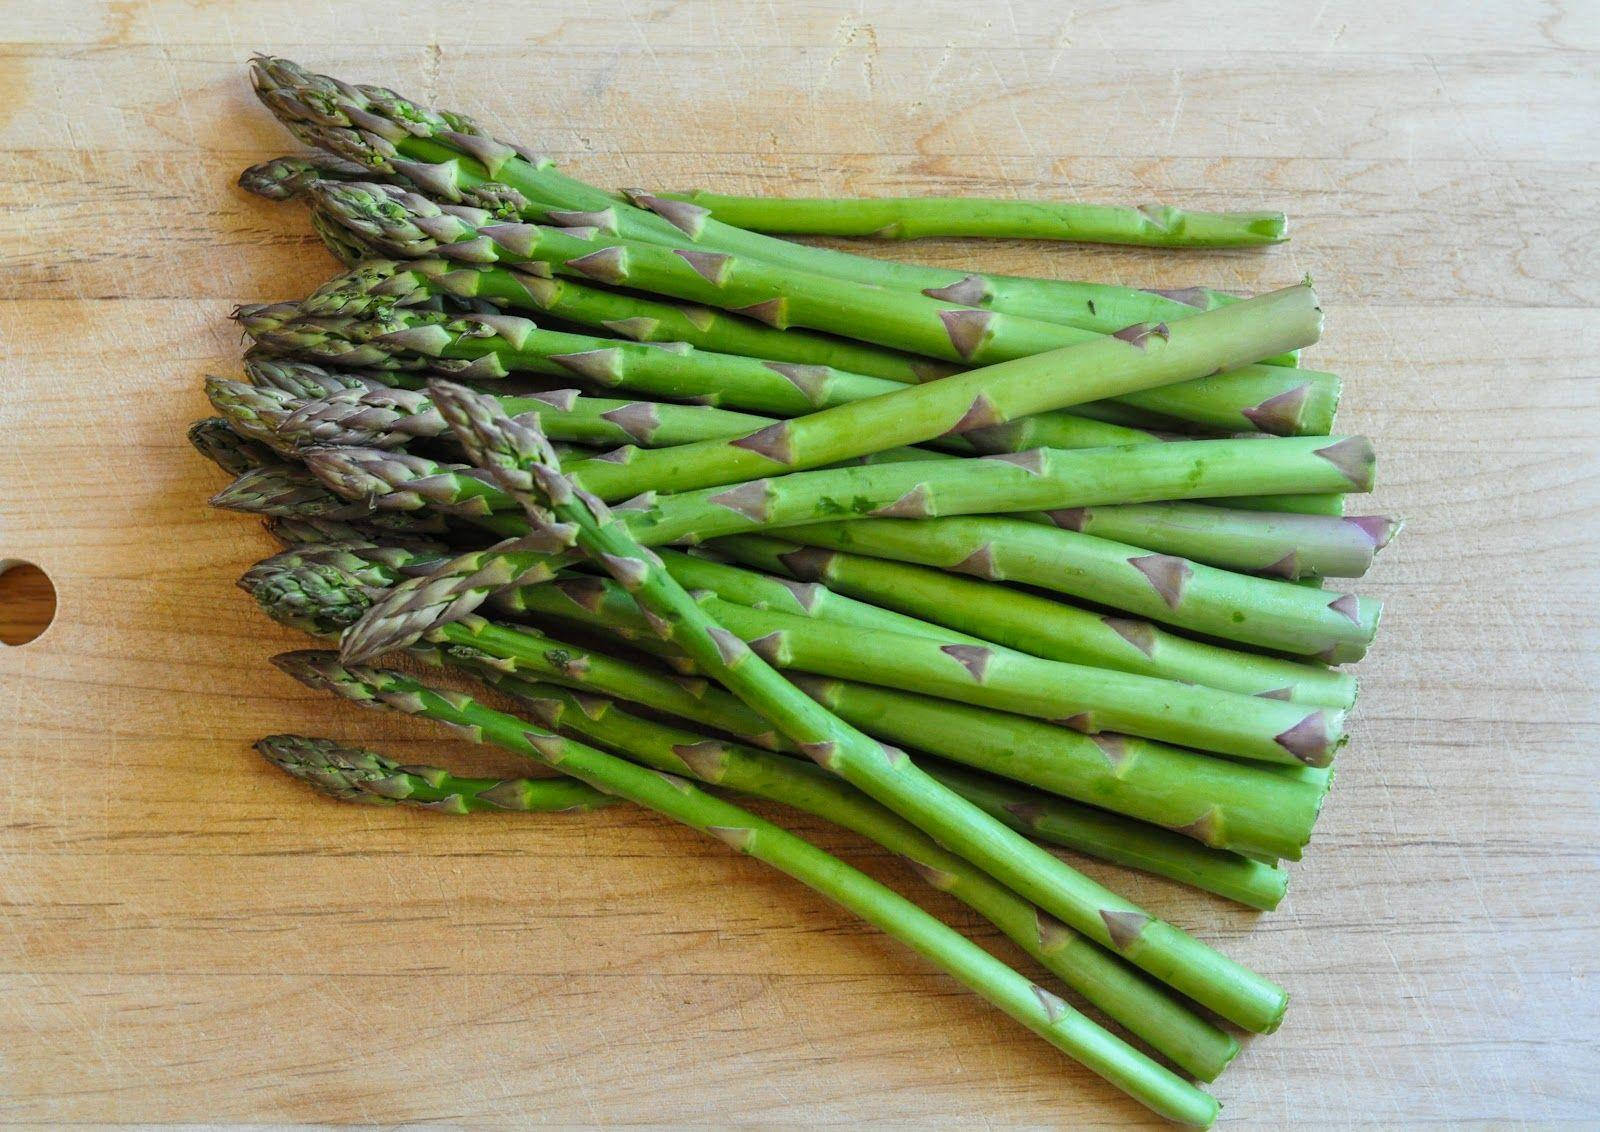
[358, 775]
[1125, 995]
[1272, 398]
[1048, 1016]
[1283, 544]
[372, 540]
[1038, 625]
[355, 774]
[1217, 802]
[449, 157]
[915, 218]
[516, 455]
[1263, 612]
[1240, 607]
[1091, 700]
[1043, 479]
[216, 440]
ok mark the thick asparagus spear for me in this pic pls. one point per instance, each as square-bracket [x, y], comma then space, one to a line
[308, 381]
[1041, 626]
[1240, 394]
[676, 798]
[355, 774]
[448, 156]
[217, 441]
[1225, 804]
[520, 458]
[1263, 612]
[1042, 479]
[1092, 700]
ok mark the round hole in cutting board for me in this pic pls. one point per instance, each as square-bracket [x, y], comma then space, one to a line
[27, 602]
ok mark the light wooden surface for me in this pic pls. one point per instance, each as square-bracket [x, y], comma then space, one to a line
[189, 937]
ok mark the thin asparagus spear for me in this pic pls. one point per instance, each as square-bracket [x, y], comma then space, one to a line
[520, 458]
[1127, 996]
[1048, 1016]
[355, 774]
[216, 440]
[1272, 398]
[334, 532]
[307, 380]
[1224, 804]
[915, 218]
[1263, 612]
[448, 156]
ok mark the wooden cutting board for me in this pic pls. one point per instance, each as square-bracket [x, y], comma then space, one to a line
[190, 937]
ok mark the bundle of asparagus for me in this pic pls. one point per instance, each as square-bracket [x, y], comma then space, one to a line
[972, 565]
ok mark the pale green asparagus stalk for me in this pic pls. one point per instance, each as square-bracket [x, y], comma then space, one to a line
[676, 798]
[519, 457]
[915, 218]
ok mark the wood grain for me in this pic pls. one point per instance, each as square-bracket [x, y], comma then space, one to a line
[190, 938]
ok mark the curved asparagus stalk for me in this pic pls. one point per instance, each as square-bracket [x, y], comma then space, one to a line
[1273, 398]
[1091, 700]
[449, 157]
[676, 798]
[355, 774]
[1263, 612]
[916, 218]
[216, 440]
[1041, 626]
[1220, 803]
[1140, 1004]
[520, 459]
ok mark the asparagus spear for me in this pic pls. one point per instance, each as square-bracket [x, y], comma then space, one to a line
[1263, 612]
[373, 541]
[449, 157]
[631, 316]
[520, 459]
[355, 774]
[915, 218]
[1251, 807]
[1045, 478]
[1259, 611]
[1091, 700]
[1048, 1016]
[308, 381]
[358, 775]
[1272, 398]
[216, 440]
[1041, 626]
[1128, 997]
